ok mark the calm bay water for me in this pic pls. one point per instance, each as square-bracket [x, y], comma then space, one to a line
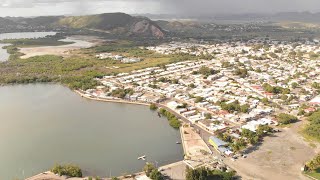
[46, 124]
[23, 35]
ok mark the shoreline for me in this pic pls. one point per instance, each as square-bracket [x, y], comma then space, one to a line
[51, 175]
[111, 100]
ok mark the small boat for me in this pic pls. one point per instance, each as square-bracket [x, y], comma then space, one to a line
[178, 142]
[142, 157]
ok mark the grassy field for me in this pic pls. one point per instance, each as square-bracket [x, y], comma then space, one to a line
[315, 174]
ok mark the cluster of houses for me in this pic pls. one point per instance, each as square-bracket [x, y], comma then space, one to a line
[117, 57]
[199, 97]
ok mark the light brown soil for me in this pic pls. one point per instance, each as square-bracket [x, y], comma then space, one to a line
[278, 158]
[64, 50]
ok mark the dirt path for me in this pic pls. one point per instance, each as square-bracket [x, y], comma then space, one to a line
[278, 158]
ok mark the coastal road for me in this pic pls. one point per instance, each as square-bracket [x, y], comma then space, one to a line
[203, 133]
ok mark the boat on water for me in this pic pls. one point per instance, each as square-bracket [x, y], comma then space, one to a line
[178, 142]
[142, 157]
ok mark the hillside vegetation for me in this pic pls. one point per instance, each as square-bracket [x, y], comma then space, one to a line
[112, 23]
[103, 21]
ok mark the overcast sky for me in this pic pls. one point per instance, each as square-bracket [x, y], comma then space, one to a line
[191, 7]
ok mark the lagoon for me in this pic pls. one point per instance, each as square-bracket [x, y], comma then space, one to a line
[44, 124]
[4, 55]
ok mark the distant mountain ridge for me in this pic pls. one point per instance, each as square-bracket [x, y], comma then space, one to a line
[249, 17]
[119, 23]
[115, 22]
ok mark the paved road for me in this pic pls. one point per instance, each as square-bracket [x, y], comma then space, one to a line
[203, 133]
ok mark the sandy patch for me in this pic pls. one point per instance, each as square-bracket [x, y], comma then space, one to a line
[278, 158]
[193, 143]
[64, 50]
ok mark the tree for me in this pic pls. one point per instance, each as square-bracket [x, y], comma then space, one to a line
[286, 118]
[156, 175]
[175, 81]
[244, 108]
[254, 140]
[238, 145]
[175, 123]
[314, 163]
[313, 129]
[173, 120]
[284, 97]
[67, 170]
[184, 105]
[153, 107]
[294, 85]
[152, 172]
[234, 106]
[263, 129]
[241, 72]
[275, 89]
[208, 116]
[226, 64]
[227, 138]
[265, 101]
[316, 85]
[247, 133]
[199, 99]
[192, 85]
[148, 168]
[207, 174]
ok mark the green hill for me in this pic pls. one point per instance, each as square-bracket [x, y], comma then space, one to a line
[114, 23]
[117, 23]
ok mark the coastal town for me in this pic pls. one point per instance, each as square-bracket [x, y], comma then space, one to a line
[225, 104]
[160, 90]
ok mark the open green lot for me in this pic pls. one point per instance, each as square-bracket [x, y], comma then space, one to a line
[315, 174]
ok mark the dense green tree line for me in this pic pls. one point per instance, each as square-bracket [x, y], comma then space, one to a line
[275, 89]
[206, 71]
[234, 106]
[248, 137]
[207, 174]
[313, 129]
[173, 120]
[121, 93]
[75, 73]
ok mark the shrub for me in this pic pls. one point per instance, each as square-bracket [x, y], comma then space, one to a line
[67, 170]
[286, 118]
[153, 107]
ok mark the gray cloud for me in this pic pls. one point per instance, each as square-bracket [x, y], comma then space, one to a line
[191, 7]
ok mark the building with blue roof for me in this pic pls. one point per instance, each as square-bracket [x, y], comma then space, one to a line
[218, 144]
